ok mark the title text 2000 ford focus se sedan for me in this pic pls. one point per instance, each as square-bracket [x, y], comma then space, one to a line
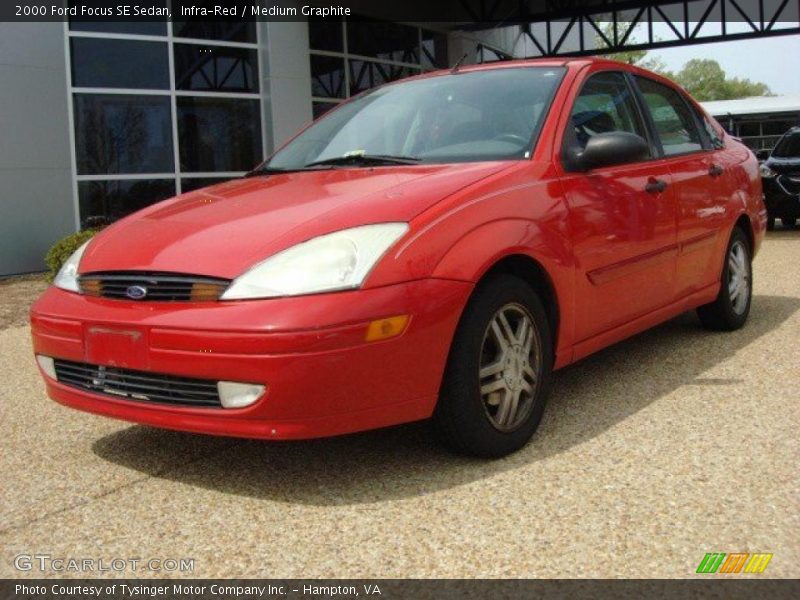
[431, 248]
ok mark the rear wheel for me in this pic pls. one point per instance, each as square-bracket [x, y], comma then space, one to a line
[732, 306]
[770, 223]
[789, 222]
[493, 393]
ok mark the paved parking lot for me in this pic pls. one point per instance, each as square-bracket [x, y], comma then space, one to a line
[672, 444]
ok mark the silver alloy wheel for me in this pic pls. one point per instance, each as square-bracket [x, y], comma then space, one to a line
[509, 367]
[738, 277]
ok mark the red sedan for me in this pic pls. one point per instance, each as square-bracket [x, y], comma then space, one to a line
[431, 248]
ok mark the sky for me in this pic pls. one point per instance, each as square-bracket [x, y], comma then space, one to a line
[773, 61]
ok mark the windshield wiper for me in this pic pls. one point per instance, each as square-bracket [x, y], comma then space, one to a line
[263, 171]
[366, 159]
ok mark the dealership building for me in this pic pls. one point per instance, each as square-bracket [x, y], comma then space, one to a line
[759, 122]
[100, 119]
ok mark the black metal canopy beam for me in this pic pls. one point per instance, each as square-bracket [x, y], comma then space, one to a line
[673, 43]
[582, 33]
[487, 14]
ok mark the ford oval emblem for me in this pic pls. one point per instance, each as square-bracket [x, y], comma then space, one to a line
[136, 292]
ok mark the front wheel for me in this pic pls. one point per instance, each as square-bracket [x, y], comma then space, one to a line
[493, 393]
[732, 306]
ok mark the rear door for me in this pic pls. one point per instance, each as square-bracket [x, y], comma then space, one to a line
[700, 179]
[622, 217]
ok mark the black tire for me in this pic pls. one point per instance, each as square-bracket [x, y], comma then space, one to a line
[727, 313]
[466, 423]
[789, 222]
[770, 223]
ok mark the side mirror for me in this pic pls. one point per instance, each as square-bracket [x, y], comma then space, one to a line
[762, 154]
[608, 149]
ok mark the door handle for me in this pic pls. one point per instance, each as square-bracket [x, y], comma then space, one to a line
[715, 171]
[655, 186]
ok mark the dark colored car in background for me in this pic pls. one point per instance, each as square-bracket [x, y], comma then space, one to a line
[780, 174]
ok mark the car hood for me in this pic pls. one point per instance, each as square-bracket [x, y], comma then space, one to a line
[224, 229]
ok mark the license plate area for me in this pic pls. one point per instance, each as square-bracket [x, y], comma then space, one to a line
[116, 347]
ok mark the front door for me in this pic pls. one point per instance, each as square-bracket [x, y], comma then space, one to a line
[623, 218]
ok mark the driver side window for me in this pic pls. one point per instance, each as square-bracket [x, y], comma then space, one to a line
[605, 104]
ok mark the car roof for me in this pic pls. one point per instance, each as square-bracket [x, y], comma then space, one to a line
[573, 62]
[566, 61]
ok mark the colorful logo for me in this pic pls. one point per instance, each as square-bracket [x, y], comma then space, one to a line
[737, 562]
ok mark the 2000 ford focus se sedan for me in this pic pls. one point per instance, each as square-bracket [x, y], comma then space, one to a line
[431, 248]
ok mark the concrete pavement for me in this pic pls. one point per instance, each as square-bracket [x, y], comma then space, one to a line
[651, 453]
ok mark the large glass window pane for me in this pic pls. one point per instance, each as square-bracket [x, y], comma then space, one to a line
[434, 50]
[320, 108]
[326, 34]
[229, 30]
[218, 134]
[215, 68]
[119, 64]
[749, 129]
[327, 76]
[131, 26]
[189, 184]
[120, 133]
[366, 74]
[383, 40]
[105, 201]
[776, 127]
[674, 122]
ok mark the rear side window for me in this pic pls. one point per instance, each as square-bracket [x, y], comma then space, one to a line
[712, 129]
[674, 122]
[714, 133]
[605, 104]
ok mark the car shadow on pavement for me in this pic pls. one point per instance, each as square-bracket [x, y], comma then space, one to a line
[586, 399]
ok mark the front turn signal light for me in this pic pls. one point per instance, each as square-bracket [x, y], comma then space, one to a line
[382, 329]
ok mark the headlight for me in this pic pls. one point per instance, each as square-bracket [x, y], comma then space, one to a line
[67, 278]
[765, 171]
[336, 261]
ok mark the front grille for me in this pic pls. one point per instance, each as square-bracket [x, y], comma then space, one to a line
[156, 287]
[138, 385]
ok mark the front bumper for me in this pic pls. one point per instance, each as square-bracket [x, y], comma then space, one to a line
[321, 377]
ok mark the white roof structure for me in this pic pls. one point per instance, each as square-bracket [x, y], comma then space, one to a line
[755, 105]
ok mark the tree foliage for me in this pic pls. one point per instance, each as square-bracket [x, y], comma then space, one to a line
[703, 78]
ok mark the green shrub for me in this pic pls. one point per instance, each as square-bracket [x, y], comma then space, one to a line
[63, 249]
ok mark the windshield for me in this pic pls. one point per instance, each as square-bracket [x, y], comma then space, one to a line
[788, 146]
[471, 116]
